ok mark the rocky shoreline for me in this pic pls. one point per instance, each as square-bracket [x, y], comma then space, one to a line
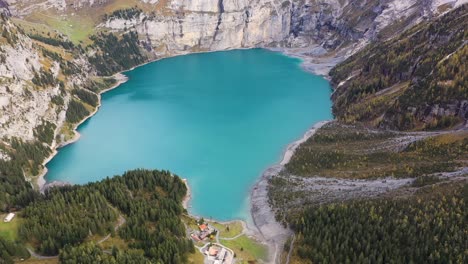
[272, 232]
[188, 195]
[316, 59]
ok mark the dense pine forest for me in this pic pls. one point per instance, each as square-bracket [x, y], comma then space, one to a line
[116, 53]
[11, 250]
[91, 253]
[430, 227]
[26, 158]
[149, 202]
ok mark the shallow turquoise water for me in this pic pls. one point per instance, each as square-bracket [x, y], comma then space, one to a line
[217, 119]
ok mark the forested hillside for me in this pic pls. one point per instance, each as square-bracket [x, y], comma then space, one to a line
[415, 81]
[15, 192]
[429, 227]
[148, 201]
[11, 250]
[91, 253]
[353, 161]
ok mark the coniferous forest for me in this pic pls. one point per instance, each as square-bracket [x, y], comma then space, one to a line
[62, 219]
[428, 228]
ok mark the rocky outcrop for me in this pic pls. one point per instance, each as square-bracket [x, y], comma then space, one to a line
[432, 113]
[4, 8]
[25, 104]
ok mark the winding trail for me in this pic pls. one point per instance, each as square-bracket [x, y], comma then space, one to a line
[291, 246]
[120, 222]
[40, 257]
[234, 237]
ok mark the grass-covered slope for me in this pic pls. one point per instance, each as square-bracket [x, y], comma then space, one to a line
[345, 151]
[415, 81]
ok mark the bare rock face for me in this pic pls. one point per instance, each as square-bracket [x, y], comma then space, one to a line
[24, 105]
[204, 25]
[332, 23]
[20, 105]
[4, 8]
[211, 25]
[175, 27]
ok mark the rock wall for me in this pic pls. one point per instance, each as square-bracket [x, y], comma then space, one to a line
[191, 26]
[172, 27]
[25, 105]
[182, 26]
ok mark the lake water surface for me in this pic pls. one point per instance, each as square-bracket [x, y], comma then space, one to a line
[217, 119]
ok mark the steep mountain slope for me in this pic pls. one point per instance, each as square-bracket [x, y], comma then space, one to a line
[178, 26]
[415, 81]
[37, 80]
[34, 76]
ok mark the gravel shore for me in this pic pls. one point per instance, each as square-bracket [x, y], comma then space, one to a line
[270, 231]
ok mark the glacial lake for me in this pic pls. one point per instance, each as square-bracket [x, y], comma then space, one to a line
[217, 119]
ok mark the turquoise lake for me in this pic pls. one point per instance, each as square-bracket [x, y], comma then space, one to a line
[217, 119]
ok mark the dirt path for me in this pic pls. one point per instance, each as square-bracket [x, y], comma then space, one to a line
[291, 246]
[37, 256]
[120, 222]
[234, 237]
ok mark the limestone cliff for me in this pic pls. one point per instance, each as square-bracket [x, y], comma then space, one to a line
[187, 26]
[180, 26]
[35, 87]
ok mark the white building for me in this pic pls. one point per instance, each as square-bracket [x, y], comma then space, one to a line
[221, 255]
[9, 217]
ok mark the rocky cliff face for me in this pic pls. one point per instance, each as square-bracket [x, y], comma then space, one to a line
[34, 86]
[21, 105]
[191, 26]
[185, 26]
[172, 27]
